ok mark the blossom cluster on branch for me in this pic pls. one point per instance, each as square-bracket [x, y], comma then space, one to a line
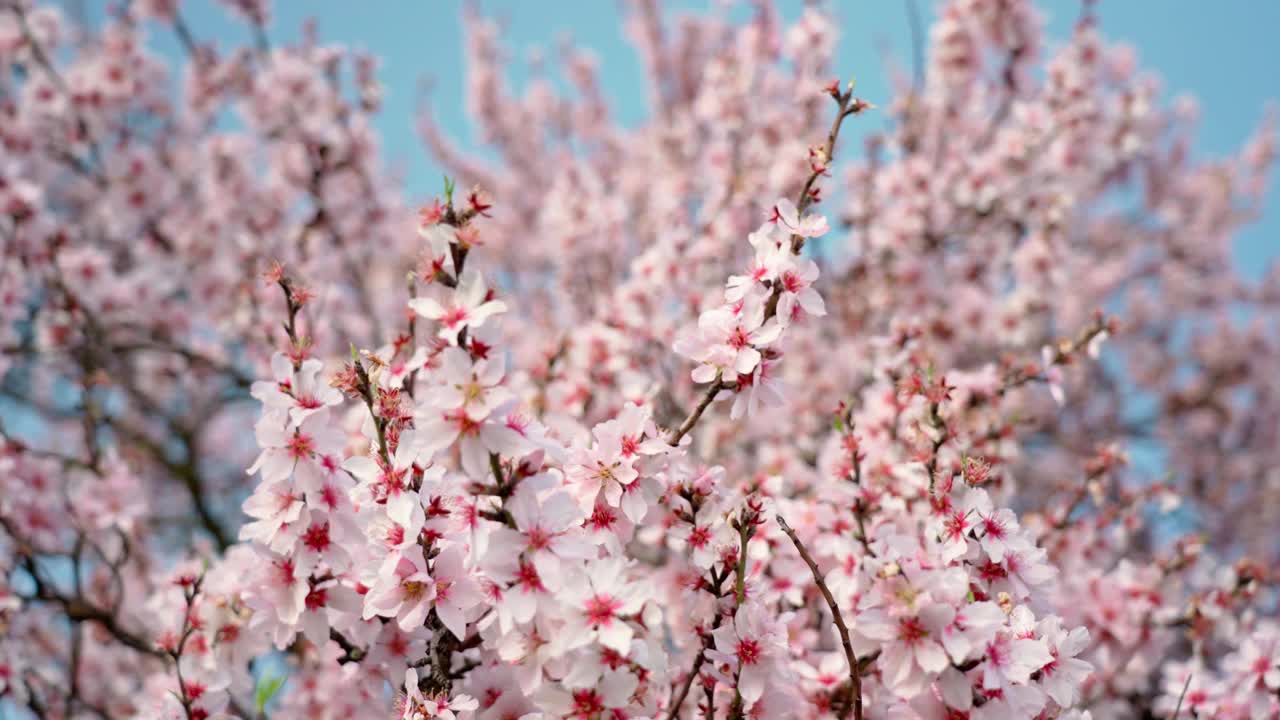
[681, 420]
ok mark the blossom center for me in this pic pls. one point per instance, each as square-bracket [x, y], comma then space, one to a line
[527, 577]
[454, 317]
[308, 402]
[299, 446]
[317, 537]
[911, 630]
[748, 651]
[601, 609]
[413, 589]
[539, 539]
[790, 282]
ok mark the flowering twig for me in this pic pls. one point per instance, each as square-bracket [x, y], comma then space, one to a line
[847, 105]
[190, 589]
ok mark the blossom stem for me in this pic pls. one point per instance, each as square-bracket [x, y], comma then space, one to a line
[291, 326]
[806, 196]
[859, 507]
[1183, 696]
[366, 389]
[678, 699]
[937, 422]
[745, 532]
[847, 106]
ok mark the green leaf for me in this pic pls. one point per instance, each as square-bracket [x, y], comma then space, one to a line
[268, 686]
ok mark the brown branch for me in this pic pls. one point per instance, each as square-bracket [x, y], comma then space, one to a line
[855, 673]
[351, 651]
[191, 356]
[682, 692]
[696, 413]
[77, 609]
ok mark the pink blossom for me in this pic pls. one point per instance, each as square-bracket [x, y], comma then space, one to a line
[548, 531]
[755, 645]
[404, 594]
[728, 339]
[419, 707]
[209, 263]
[601, 468]
[466, 306]
[601, 599]
[787, 216]
[296, 391]
[456, 591]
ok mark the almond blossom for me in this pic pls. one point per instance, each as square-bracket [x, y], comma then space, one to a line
[728, 339]
[788, 217]
[456, 309]
[754, 646]
[297, 391]
[405, 594]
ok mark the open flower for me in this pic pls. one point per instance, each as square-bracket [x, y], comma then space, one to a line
[603, 467]
[787, 216]
[404, 591]
[457, 592]
[728, 339]
[298, 451]
[297, 392]
[912, 652]
[472, 387]
[601, 598]
[548, 531]
[755, 644]
[795, 276]
[416, 706]
[1062, 677]
[467, 305]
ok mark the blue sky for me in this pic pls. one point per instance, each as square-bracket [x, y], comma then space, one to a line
[1224, 52]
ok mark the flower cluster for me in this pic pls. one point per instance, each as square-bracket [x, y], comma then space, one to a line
[733, 342]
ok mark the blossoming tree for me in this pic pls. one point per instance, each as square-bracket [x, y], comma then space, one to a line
[683, 420]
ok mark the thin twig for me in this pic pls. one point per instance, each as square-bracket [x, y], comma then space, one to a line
[855, 674]
[1182, 696]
